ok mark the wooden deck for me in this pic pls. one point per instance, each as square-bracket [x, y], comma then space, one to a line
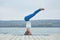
[11, 37]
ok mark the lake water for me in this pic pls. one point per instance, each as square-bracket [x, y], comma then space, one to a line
[35, 31]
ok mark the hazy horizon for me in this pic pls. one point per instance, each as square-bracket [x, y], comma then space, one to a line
[22, 23]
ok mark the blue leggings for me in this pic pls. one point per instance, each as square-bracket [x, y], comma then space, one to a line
[28, 17]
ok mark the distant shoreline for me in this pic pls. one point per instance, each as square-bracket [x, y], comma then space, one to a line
[34, 23]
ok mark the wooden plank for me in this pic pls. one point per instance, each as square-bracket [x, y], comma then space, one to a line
[11, 37]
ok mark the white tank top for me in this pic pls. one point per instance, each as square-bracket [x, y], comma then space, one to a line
[28, 24]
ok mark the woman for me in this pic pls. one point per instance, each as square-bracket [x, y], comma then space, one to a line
[28, 23]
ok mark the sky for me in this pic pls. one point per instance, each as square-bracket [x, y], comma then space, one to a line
[18, 9]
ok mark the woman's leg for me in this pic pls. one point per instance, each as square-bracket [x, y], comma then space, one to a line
[27, 18]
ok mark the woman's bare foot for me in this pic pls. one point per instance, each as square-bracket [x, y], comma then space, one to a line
[42, 9]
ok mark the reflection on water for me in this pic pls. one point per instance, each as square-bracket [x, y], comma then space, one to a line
[35, 31]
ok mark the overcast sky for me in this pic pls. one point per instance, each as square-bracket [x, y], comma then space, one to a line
[18, 9]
